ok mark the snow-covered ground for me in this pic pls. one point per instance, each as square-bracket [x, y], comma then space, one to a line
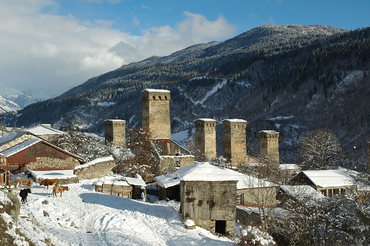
[85, 217]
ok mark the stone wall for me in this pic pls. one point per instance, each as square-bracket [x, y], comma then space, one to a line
[170, 164]
[95, 170]
[207, 203]
[48, 163]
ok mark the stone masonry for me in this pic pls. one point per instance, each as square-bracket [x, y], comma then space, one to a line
[115, 131]
[234, 140]
[269, 145]
[98, 168]
[205, 138]
[47, 163]
[156, 113]
[211, 205]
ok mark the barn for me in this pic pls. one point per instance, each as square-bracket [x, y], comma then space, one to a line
[38, 155]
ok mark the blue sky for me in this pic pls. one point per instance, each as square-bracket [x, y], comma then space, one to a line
[59, 44]
[135, 16]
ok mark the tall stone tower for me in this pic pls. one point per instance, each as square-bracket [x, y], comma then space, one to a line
[115, 131]
[156, 113]
[269, 145]
[205, 138]
[234, 140]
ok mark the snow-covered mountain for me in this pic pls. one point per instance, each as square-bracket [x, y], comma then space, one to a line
[12, 99]
[291, 78]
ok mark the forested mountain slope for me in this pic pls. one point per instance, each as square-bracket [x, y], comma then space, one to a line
[289, 78]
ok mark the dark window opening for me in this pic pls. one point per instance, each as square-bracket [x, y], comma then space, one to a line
[220, 227]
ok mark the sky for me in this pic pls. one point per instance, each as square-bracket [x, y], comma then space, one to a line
[50, 46]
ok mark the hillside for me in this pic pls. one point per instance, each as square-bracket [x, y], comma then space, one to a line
[289, 78]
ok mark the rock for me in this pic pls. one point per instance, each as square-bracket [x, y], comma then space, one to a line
[189, 224]
[45, 202]
[46, 214]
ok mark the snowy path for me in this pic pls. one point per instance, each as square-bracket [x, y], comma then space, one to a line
[85, 217]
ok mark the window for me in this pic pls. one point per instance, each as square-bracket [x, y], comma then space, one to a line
[239, 199]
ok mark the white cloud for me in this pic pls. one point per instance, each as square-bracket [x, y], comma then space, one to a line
[51, 53]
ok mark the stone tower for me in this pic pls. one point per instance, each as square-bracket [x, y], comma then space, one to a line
[115, 131]
[156, 113]
[269, 145]
[234, 140]
[205, 138]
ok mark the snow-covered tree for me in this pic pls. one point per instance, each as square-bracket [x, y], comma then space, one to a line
[319, 149]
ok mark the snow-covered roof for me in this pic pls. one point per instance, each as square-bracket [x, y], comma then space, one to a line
[289, 166]
[135, 181]
[207, 172]
[303, 193]
[44, 129]
[156, 90]
[54, 174]
[18, 148]
[28, 143]
[205, 119]
[329, 178]
[11, 136]
[167, 180]
[120, 180]
[269, 131]
[235, 120]
[95, 161]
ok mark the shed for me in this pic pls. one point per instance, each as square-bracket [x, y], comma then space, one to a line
[117, 185]
[328, 182]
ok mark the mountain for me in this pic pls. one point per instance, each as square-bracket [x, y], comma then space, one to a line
[13, 99]
[292, 79]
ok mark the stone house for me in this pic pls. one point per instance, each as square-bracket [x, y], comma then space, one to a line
[209, 194]
[36, 154]
[327, 182]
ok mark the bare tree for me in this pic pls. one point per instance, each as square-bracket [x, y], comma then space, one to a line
[143, 161]
[319, 149]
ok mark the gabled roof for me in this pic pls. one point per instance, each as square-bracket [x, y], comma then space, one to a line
[22, 146]
[18, 148]
[329, 178]
[11, 136]
[44, 129]
[207, 172]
